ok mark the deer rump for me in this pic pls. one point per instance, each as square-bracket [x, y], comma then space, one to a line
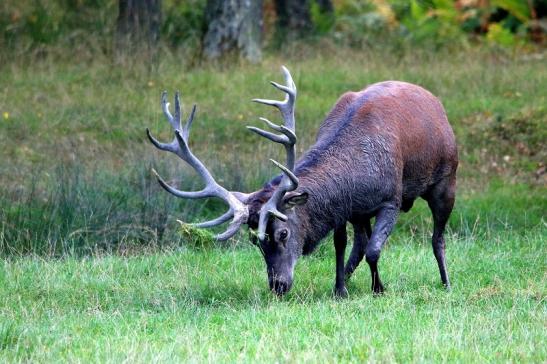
[376, 152]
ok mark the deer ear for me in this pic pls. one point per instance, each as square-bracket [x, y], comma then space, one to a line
[293, 199]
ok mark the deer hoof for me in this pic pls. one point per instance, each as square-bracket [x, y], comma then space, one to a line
[378, 290]
[340, 292]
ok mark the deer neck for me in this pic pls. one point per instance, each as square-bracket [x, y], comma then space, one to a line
[320, 214]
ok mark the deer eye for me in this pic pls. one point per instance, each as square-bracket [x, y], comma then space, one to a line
[282, 235]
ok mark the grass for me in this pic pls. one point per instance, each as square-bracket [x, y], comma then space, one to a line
[76, 110]
[94, 266]
[75, 163]
[214, 306]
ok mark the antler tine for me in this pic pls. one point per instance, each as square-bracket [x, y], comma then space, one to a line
[219, 220]
[289, 89]
[175, 123]
[165, 106]
[238, 220]
[292, 178]
[271, 125]
[182, 194]
[286, 107]
[178, 114]
[282, 139]
[170, 147]
[212, 189]
[179, 146]
[188, 125]
[289, 182]
[288, 139]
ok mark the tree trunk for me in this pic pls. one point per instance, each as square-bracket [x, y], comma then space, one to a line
[138, 25]
[293, 18]
[233, 26]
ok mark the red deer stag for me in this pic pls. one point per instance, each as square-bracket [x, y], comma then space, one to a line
[376, 152]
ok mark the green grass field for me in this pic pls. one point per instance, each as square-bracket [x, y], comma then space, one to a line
[214, 306]
[94, 267]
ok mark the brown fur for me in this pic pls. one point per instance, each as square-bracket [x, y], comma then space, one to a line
[376, 152]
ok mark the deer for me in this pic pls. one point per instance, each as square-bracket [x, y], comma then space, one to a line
[376, 152]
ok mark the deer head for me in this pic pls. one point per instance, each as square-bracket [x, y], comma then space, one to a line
[269, 211]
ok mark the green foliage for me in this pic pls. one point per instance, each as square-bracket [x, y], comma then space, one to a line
[39, 22]
[323, 21]
[434, 23]
[498, 34]
[194, 237]
[359, 24]
[518, 8]
[35, 23]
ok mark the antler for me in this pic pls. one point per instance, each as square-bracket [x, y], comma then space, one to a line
[289, 182]
[238, 210]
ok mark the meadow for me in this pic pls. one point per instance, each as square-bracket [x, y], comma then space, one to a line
[95, 268]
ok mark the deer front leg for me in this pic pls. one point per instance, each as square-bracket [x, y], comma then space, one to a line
[385, 220]
[340, 242]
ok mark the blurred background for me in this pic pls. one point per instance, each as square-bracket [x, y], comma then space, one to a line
[80, 80]
[195, 29]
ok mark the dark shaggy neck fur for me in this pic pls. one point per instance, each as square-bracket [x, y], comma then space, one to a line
[327, 206]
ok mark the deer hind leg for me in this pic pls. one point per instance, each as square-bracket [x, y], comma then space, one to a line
[340, 242]
[441, 201]
[385, 220]
[361, 236]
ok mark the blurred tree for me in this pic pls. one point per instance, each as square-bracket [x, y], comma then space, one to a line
[233, 25]
[293, 18]
[138, 25]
